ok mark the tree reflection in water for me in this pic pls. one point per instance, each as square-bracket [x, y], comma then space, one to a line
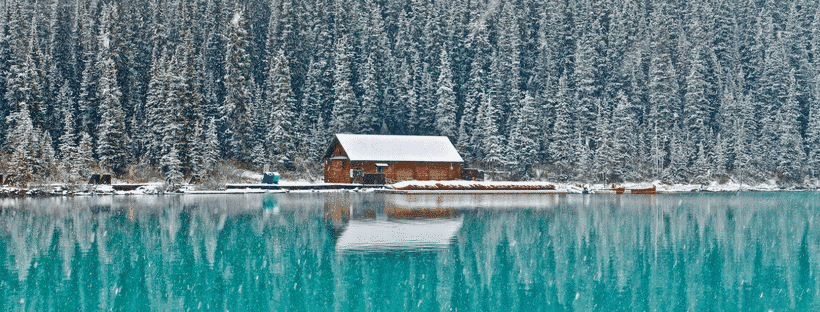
[525, 252]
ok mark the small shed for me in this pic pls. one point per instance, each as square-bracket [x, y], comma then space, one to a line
[397, 157]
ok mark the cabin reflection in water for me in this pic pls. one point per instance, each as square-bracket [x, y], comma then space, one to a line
[385, 225]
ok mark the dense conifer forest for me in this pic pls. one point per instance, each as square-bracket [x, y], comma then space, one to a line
[566, 90]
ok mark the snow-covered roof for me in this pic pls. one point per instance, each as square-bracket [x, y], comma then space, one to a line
[396, 148]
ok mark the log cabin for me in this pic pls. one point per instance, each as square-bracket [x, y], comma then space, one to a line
[395, 157]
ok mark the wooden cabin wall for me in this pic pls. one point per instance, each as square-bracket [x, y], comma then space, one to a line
[338, 171]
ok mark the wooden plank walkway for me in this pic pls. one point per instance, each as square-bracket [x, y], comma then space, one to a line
[471, 192]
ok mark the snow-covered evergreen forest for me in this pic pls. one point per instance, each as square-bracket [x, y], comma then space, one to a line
[578, 90]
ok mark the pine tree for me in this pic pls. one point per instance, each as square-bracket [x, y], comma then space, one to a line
[772, 99]
[696, 108]
[523, 142]
[701, 171]
[82, 166]
[344, 102]
[408, 100]
[258, 155]
[111, 129]
[662, 89]
[211, 145]
[675, 173]
[721, 158]
[197, 150]
[657, 153]
[191, 103]
[463, 142]
[744, 140]
[312, 95]
[280, 99]
[587, 88]
[624, 122]
[172, 168]
[562, 140]
[366, 120]
[813, 138]
[791, 154]
[238, 84]
[428, 103]
[44, 161]
[493, 143]
[23, 87]
[507, 64]
[155, 109]
[317, 140]
[446, 108]
[20, 137]
[87, 101]
[583, 154]
[476, 93]
[603, 161]
[67, 143]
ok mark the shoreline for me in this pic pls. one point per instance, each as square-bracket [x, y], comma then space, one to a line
[407, 187]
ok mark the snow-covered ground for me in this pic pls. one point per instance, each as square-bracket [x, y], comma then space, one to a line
[714, 186]
[157, 187]
[767, 186]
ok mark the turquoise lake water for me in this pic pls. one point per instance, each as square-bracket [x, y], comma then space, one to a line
[375, 252]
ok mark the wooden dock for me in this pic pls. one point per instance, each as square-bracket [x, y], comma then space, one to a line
[299, 187]
[471, 192]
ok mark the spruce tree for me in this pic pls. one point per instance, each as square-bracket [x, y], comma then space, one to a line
[744, 144]
[20, 138]
[111, 129]
[67, 144]
[720, 159]
[280, 99]
[603, 162]
[662, 89]
[813, 138]
[155, 109]
[312, 94]
[523, 142]
[344, 103]
[172, 168]
[84, 162]
[791, 154]
[366, 119]
[676, 171]
[446, 108]
[211, 147]
[587, 88]
[87, 101]
[493, 141]
[701, 171]
[238, 85]
[562, 134]
[697, 106]
[197, 150]
[773, 96]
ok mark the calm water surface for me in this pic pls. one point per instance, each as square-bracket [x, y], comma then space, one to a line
[372, 252]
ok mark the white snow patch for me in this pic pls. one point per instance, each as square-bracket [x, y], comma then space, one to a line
[251, 175]
[235, 20]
